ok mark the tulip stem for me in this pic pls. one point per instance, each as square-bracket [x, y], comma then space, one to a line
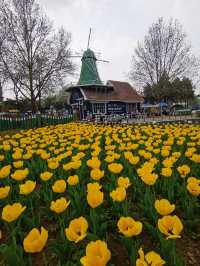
[31, 205]
[93, 219]
[62, 226]
[11, 229]
[125, 208]
[44, 259]
[133, 251]
[173, 245]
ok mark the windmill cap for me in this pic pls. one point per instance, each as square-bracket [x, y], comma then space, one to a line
[89, 54]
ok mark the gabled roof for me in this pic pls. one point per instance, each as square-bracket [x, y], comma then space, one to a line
[117, 91]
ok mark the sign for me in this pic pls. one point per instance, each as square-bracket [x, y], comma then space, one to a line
[116, 108]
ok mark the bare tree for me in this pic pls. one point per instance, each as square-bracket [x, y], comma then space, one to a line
[3, 72]
[36, 58]
[164, 51]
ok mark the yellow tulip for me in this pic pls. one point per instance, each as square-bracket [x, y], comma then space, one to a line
[78, 156]
[151, 258]
[17, 155]
[129, 227]
[94, 163]
[168, 162]
[183, 170]
[6, 147]
[109, 159]
[196, 158]
[123, 182]
[27, 187]
[164, 207]
[18, 164]
[165, 152]
[149, 178]
[60, 205]
[35, 241]
[53, 165]
[59, 186]
[193, 186]
[96, 174]
[93, 187]
[20, 175]
[73, 180]
[45, 155]
[77, 229]
[5, 171]
[95, 198]
[171, 226]
[68, 166]
[10, 213]
[2, 157]
[76, 164]
[119, 194]
[166, 171]
[4, 191]
[115, 168]
[27, 155]
[97, 254]
[176, 154]
[132, 159]
[45, 176]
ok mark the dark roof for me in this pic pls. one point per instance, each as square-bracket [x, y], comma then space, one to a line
[121, 91]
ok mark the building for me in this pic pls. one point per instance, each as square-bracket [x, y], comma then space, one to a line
[91, 96]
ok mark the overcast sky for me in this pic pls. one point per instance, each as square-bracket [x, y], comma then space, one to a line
[117, 26]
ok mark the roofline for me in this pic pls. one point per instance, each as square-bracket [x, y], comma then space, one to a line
[102, 101]
[83, 93]
[118, 81]
[89, 85]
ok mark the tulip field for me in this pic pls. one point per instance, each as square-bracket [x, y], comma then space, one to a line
[96, 195]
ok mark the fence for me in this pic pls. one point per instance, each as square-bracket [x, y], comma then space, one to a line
[143, 118]
[33, 121]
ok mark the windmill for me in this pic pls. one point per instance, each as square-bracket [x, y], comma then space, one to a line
[89, 82]
[89, 73]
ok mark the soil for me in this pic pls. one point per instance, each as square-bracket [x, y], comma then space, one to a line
[190, 248]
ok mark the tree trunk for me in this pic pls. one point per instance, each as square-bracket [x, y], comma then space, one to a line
[39, 101]
[33, 104]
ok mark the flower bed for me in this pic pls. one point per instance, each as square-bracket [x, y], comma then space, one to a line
[97, 195]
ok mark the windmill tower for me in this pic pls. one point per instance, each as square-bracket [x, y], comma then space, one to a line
[89, 73]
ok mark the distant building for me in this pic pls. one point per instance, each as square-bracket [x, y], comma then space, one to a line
[90, 95]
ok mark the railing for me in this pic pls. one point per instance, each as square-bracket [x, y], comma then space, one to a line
[32, 121]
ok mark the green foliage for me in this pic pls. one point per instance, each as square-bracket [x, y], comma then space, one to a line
[170, 91]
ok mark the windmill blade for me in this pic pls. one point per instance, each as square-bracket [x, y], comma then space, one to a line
[105, 61]
[98, 54]
[78, 53]
[88, 44]
[79, 56]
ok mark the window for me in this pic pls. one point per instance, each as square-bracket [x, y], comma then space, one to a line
[99, 108]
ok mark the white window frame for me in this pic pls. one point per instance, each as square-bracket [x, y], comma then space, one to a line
[98, 108]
